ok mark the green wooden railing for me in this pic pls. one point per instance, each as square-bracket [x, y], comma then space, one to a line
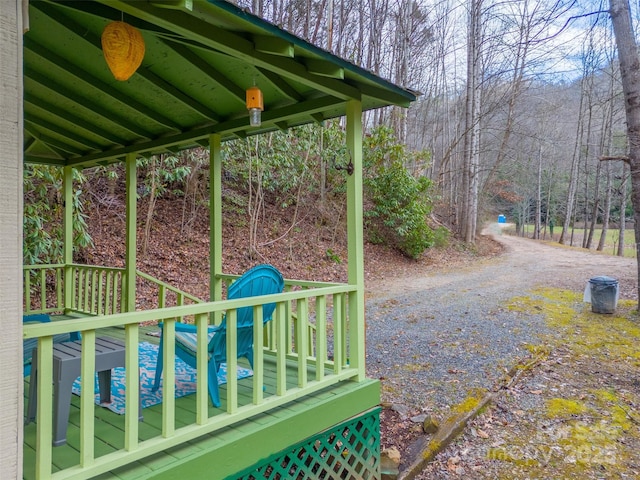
[310, 321]
[86, 289]
[43, 288]
[93, 290]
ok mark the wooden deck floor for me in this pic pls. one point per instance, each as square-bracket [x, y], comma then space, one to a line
[109, 427]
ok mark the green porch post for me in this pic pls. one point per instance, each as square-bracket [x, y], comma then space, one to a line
[129, 304]
[215, 218]
[355, 239]
[67, 236]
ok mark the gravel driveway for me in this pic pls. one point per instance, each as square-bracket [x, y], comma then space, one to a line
[435, 337]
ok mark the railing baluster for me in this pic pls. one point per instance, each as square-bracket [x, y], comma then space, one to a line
[43, 288]
[132, 387]
[302, 346]
[80, 285]
[345, 329]
[59, 287]
[27, 291]
[202, 360]
[232, 361]
[117, 293]
[179, 301]
[107, 294]
[162, 296]
[101, 292]
[338, 320]
[87, 290]
[291, 327]
[93, 308]
[87, 398]
[258, 355]
[168, 377]
[282, 332]
[44, 429]
[321, 335]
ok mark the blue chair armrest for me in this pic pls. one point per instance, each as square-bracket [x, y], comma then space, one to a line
[36, 318]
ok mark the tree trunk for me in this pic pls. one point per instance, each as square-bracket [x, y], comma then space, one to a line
[596, 207]
[623, 210]
[538, 220]
[606, 213]
[469, 213]
[573, 180]
[630, 73]
[605, 148]
[152, 203]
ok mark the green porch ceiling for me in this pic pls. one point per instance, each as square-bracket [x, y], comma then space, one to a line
[200, 58]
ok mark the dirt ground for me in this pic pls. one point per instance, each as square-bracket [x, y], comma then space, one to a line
[574, 409]
[524, 262]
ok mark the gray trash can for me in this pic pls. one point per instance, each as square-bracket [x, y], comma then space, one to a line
[604, 294]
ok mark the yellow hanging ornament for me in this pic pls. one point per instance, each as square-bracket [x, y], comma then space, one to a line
[123, 48]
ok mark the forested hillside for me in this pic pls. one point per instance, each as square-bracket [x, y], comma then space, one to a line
[520, 101]
[283, 203]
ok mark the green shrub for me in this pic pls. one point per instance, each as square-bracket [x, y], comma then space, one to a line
[399, 201]
[44, 211]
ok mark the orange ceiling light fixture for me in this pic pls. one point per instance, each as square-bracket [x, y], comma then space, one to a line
[255, 105]
[123, 49]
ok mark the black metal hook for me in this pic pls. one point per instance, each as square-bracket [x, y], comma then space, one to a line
[348, 167]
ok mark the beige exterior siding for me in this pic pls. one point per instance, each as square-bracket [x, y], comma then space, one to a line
[11, 384]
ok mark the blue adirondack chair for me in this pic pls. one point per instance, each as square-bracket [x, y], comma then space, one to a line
[30, 343]
[260, 280]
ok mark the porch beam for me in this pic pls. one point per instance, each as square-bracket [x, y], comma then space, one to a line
[273, 45]
[71, 136]
[33, 102]
[234, 90]
[278, 82]
[324, 68]
[355, 239]
[84, 103]
[131, 245]
[227, 129]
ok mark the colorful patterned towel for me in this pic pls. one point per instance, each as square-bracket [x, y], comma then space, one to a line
[185, 380]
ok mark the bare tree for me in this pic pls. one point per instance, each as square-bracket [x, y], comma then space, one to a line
[630, 73]
[623, 210]
[470, 179]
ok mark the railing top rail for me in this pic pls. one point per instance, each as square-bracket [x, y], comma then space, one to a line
[42, 266]
[146, 276]
[75, 265]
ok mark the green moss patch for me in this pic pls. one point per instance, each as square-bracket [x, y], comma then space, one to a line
[562, 407]
[586, 391]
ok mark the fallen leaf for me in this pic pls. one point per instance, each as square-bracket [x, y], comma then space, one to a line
[482, 434]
